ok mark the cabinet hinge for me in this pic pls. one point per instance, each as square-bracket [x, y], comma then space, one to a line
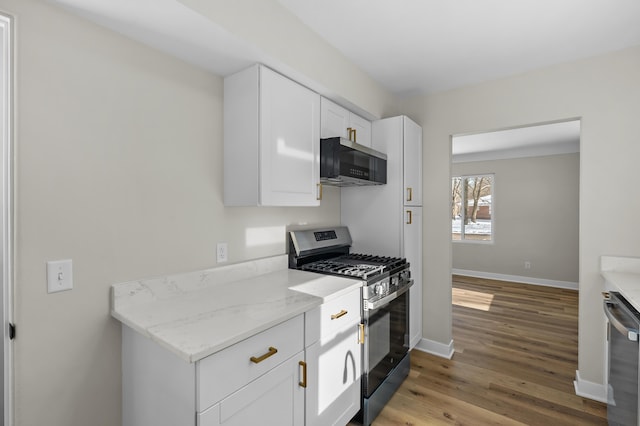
[12, 331]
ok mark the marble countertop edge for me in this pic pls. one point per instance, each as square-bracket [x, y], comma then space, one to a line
[622, 274]
[199, 313]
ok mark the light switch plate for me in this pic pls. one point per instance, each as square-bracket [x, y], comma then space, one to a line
[59, 275]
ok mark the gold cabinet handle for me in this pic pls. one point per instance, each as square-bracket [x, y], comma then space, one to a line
[339, 314]
[303, 383]
[272, 351]
[351, 132]
[319, 191]
[361, 336]
[409, 217]
[409, 194]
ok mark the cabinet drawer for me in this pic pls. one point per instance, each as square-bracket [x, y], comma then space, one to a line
[325, 321]
[224, 372]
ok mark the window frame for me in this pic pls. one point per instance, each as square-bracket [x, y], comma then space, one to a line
[493, 192]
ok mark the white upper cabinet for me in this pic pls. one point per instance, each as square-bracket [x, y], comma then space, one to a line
[336, 120]
[412, 153]
[271, 140]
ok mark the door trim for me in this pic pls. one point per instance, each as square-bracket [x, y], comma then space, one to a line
[6, 136]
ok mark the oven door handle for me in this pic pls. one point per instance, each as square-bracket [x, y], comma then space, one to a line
[369, 306]
[631, 333]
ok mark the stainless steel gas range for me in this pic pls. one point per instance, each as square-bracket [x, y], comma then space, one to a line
[385, 307]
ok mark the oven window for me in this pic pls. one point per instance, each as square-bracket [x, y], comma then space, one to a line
[388, 331]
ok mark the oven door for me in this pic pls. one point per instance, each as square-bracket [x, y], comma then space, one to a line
[386, 340]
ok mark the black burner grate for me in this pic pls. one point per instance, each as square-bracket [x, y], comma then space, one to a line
[362, 266]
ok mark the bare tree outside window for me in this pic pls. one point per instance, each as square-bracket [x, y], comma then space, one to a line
[475, 222]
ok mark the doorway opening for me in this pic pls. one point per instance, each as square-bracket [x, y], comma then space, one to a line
[527, 218]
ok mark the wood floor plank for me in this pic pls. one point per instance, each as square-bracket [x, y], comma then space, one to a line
[516, 353]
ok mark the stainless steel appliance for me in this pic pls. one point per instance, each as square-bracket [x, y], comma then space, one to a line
[623, 349]
[346, 163]
[385, 307]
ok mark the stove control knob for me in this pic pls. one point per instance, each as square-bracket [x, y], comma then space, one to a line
[378, 289]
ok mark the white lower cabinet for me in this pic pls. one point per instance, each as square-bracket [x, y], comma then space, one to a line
[255, 381]
[305, 370]
[334, 361]
[275, 398]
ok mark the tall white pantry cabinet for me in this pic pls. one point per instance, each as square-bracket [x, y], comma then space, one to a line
[387, 219]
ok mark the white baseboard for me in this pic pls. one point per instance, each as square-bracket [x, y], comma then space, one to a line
[517, 279]
[591, 390]
[435, 348]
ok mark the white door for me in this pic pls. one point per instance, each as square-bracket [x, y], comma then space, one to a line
[334, 369]
[274, 399]
[412, 163]
[6, 45]
[289, 142]
[413, 253]
[362, 129]
[334, 120]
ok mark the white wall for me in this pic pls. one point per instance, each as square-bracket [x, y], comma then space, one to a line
[535, 206]
[297, 51]
[118, 167]
[603, 92]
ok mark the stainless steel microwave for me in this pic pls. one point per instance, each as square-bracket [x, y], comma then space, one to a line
[346, 163]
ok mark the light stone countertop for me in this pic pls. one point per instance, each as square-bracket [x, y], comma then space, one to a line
[199, 313]
[622, 274]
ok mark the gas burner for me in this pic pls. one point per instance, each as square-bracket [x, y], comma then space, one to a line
[340, 266]
[386, 261]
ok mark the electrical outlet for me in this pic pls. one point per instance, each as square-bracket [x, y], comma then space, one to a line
[527, 264]
[221, 252]
[59, 275]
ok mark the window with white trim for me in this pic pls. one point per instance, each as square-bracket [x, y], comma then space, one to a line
[475, 223]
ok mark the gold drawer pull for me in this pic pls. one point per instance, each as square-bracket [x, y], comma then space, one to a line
[339, 314]
[303, 383]
[272, 351]
[409, 217]
[361, 337]
[319, 191]
[409, 194]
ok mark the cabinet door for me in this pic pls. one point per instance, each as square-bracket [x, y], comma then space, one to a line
[228, 370]
[334, 120]
[274, 399]
[210, 417]
[413, 254]
[412, 163]
[362, 128]
[289, 142]
[333, 376]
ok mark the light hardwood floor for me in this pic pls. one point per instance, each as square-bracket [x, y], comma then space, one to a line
[516, 353]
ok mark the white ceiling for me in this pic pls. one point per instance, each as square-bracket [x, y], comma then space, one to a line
[409, 46]
[426, 46]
